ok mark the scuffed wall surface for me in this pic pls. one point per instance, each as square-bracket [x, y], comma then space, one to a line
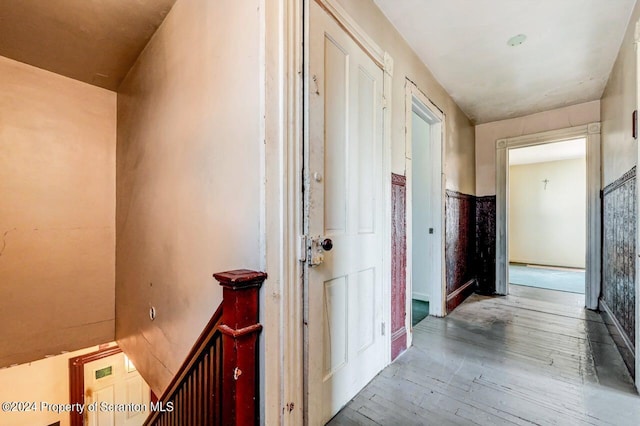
[487, 135]
[459, 146]
[57, 215]
[188, 178]
[619, 100]
[619, 251]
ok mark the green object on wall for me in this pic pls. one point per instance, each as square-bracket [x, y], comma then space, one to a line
[104, 372]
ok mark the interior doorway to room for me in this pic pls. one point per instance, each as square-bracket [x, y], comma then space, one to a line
[425, 223]
[593, 229]
[115, 380]
[547, 213]
[421, 209]
[105, 378]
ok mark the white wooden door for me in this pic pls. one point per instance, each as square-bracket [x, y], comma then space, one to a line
[111, 381]
[346, 346]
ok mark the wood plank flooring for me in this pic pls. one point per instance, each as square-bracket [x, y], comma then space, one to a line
[535, 357]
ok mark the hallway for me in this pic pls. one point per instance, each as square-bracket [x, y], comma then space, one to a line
[534, 357]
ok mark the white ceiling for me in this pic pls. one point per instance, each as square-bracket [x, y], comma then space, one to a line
[569, 52]
[557, 151]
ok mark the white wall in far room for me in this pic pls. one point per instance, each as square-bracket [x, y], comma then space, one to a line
[421, 207]
[548, 226]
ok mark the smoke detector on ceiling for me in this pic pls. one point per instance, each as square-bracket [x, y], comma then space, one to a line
[516, 40]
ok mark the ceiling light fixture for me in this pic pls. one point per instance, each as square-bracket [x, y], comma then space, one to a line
[516, 40]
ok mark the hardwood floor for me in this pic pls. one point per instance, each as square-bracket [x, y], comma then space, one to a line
[535, 357]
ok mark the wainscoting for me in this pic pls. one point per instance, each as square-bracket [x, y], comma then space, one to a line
[470, 247]
[398, 264]
[460, 247]
[486, 244]
[618, 262]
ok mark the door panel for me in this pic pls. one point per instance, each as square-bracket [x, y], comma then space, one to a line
[367, 87]
[335, 325]
[366, 311]
[103, 417]
[335, 148]
[346, 348]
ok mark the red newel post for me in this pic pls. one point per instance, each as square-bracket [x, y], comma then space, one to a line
[240, 329]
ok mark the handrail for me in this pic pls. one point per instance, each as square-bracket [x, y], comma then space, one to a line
[217, 383]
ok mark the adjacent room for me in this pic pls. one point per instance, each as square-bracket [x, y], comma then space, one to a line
[547, 216]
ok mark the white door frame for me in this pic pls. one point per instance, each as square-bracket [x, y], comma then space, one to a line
[381, 58]
[281, 299]
[591, 133]
[637, 348]
[417, 100]
[281, 311]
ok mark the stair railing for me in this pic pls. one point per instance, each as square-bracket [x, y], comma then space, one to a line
[218, 383]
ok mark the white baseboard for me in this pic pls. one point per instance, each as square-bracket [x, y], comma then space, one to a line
[420, 296]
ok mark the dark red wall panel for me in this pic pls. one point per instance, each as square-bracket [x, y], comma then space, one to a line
[398, 265]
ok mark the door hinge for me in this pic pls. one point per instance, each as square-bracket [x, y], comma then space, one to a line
[302, 248]
[382, 328]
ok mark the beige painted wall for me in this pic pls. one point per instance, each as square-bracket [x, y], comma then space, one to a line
[459, 145]
[45, 380]
[619, 149]
[548, 226]
[57, 216]
[488, 133]
[188, 178]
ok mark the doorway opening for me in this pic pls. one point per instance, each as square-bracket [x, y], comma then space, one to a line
[421, 212]
[425, 215]
[105, 378]
[593, 223]
[547, 210]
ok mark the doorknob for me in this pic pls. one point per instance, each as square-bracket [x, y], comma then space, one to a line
[317, 247]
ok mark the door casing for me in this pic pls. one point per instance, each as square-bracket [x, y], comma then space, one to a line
[637, 352]
[591, 133]
[76, 378]
[416, 100]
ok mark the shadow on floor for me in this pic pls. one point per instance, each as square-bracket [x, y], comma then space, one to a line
[526, 358]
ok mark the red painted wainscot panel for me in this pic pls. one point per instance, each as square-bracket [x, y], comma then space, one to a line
[398, 265]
